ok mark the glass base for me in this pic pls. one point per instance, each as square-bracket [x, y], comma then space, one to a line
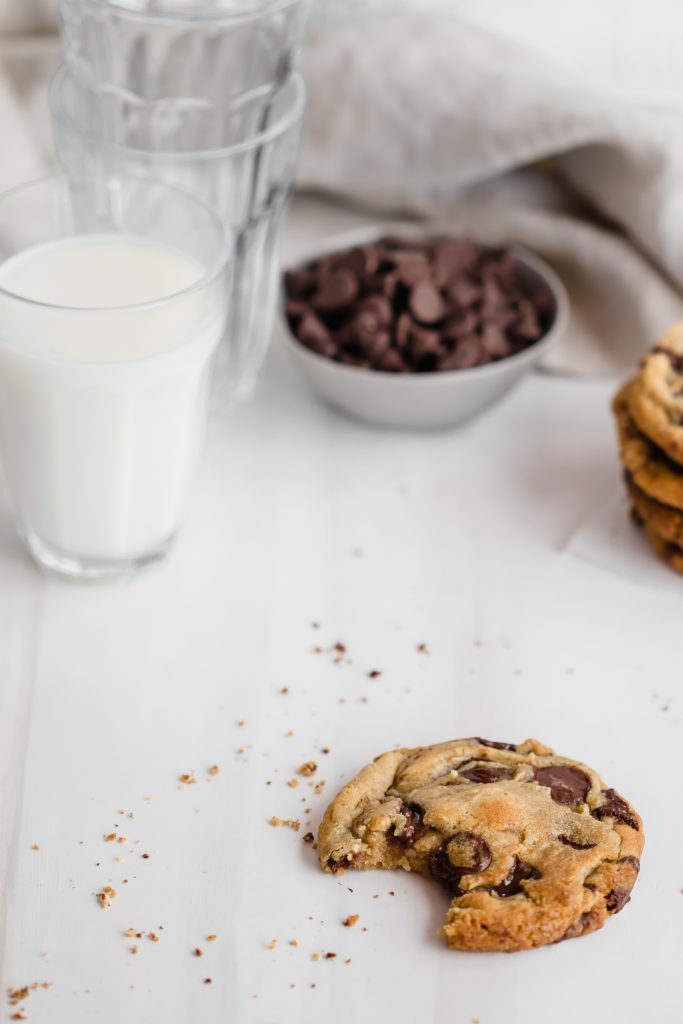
[90, 570]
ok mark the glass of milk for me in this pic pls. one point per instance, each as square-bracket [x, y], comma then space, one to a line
[113, 298]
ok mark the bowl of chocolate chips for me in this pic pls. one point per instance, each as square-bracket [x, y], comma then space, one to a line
[409, 327]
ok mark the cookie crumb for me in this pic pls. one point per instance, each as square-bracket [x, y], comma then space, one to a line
[324, 750]
[374, 673]
[198, 951]
[292, 823]
[307, 768]
[133, 934]
[105, 896]
[348, 961]
[272, 944]
[284, 690]
[330, 956]
[145, 856]
[315, 956]
[351, 920]
[422, 649]
[152, 936]
[35, 846]
[293, 783]
[211, 938]
[188, 779]
[294, 942]
[110, 838]
[134, 950]
[309, 837]
[207, 981]
[214, 769]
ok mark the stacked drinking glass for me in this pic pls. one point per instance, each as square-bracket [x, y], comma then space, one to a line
[201, 94]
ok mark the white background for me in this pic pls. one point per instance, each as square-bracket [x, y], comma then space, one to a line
[388, 540]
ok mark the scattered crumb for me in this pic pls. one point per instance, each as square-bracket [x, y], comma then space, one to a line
[145, 856]
[241, 723]
[315, 956]
[214, 769]
[19, 1015]
[198, 951]
[374, 673]
[121, 839]
[207, 981]
[309, 837]
[351, 920]
[187, 778]
[105, 896]
[307, 768]
[133, 934]
[330, 956]
[315, 625]
[211, 938]
[110, 838]
[272, 944]
[391, 892]
[324, 750]
[35, 846]
[293, 783]
[288, 734]
[134, 949]
[294, 942]
[284, 690]
[347, 961]
[152, 936]
[423, 649]
[318, 788]
[292, 823]
[376, 896]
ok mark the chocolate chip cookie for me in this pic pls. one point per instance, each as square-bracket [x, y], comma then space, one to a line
[650, 468]
[660, 519]
[531, 847]
[655, 397]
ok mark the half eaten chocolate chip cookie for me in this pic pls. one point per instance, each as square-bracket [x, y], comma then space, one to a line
[532, 847]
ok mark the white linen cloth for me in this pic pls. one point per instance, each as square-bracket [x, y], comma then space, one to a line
[439, 108]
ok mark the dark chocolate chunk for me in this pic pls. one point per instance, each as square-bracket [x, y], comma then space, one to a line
[495, 341]
[468, 352]
[299, 283]
[576, 846]
[617, 899]
[481, 771]
[495, 744]
[633, 861]
[404, 325]
[518, 873]
[392, 362]
[313, 333]
[527, 326]
[616, 807]
[413, 828]
[424, 343]
[339, 290]
[567, 785]
[464, 292]
[465, 853]
[581, 925]
[426, 303]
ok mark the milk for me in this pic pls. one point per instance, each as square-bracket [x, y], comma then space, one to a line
[103, 392]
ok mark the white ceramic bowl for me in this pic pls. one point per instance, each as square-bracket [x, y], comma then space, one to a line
[423, 400]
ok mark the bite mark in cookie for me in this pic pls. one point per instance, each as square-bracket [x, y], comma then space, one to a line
[531, 847]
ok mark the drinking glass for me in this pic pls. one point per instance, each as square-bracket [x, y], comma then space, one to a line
[103, 398]
[191, 51]
[240, 161]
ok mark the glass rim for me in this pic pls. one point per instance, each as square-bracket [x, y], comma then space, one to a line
[186, 16]
[288, 120]
[204, 281]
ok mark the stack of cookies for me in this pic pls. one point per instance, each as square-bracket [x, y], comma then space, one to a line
[649, 413]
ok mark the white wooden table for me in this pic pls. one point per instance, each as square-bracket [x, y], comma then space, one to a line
[387, 540]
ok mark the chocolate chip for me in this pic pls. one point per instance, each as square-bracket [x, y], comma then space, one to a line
[426, 303]
[527, 326]
[392, 362]
[338, 863]
[616, 807]
[482, 772]
[576, 846]
[464, 292]
[617, 900]
[339, 290]
[313, 333]
[468, 352]
[581, 925]
[412, 267]
[465, 853]
[633, 861]
[299, 283]
[495, 744]
[495, 341]
[567, 785]
[424, 344]
[455, 255]
[518, 873]
[413, 828]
